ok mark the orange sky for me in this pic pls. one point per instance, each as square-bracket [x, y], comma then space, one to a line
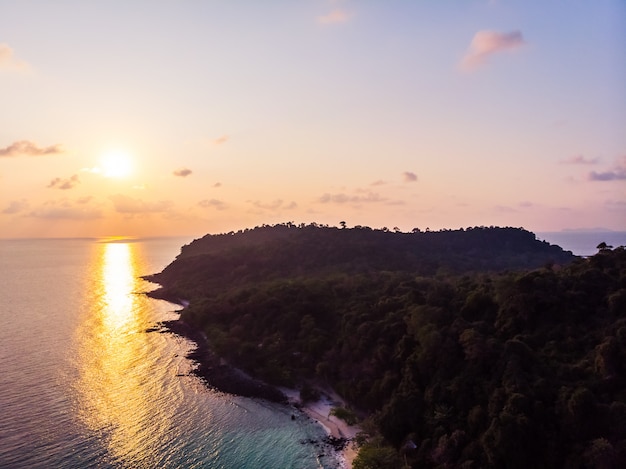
[183, 118]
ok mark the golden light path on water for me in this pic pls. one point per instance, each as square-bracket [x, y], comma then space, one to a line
[117, 394]
[135, 408]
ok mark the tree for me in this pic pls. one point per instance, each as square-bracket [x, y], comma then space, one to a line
[372, 456]
[344, 414]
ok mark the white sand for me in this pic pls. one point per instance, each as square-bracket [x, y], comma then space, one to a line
[320, 412]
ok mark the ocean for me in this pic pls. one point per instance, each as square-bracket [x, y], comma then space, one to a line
[583, 243]
[83, 383]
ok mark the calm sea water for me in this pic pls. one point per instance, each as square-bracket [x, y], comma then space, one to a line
[82, 384]
[584, 243]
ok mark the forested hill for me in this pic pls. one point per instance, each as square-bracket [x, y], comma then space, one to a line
[215, 262]
[450, 363]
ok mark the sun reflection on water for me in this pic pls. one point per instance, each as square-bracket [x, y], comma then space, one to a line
[118, 282]
[115, 386]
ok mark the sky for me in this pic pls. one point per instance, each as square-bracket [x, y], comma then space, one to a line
[181, 118]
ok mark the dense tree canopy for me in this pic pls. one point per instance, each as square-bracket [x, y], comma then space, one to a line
[453, 363]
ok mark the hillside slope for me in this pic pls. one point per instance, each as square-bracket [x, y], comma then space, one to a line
[452, 363]
[216, 262]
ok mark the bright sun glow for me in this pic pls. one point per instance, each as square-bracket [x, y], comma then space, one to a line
[116, 164]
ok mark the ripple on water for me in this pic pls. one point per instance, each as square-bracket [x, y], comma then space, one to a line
[83, 384]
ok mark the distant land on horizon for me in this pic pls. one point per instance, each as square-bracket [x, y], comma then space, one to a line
[580, 241]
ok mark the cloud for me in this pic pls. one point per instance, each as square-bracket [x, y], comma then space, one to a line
[66, 213]
[125, 204]
[486, 43]
[341, 198]
[221, 140]
[65, 210]
[617, 173]
[15, 206]
[24, 147]
[616, 205]
[379, 182]
[64, 184]
[337, 15]
[504, 209]
[183, 172]
[579, 159]
[213, 203]
[274, 205]
[409, 176]
[8, 60]
[217, 184]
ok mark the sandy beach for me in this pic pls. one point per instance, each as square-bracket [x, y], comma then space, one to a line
[221, 376]
[335, 427]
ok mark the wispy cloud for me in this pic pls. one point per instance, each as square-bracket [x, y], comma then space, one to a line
[221, 140]
[183, 172]
[616, 205]
[217, 184]
[15, 206]
[64, 184]
[28, 148]
[408, 176]
[504, 209]
[379, 182]
[337, 15]
[486, 43]
[66, 213]
[213, 203]
[8, 61]
[579, 159]
[617, 173]
[277, 204]
[342, 198]
[129, 205]
[67, 210]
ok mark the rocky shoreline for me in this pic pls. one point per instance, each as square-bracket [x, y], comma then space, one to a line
[215, 374]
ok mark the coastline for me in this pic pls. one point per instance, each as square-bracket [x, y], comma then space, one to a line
[213, 371]
[218, 375]
[337, 429]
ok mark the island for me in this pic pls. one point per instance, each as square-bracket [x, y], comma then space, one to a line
[478, 347]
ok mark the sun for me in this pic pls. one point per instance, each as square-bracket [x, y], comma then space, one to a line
[116, 164]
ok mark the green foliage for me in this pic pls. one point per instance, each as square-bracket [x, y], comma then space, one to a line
[344, 414]
[373, 456]
[523, 368]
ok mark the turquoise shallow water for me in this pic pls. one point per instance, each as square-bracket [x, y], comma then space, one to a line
[84, 385]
